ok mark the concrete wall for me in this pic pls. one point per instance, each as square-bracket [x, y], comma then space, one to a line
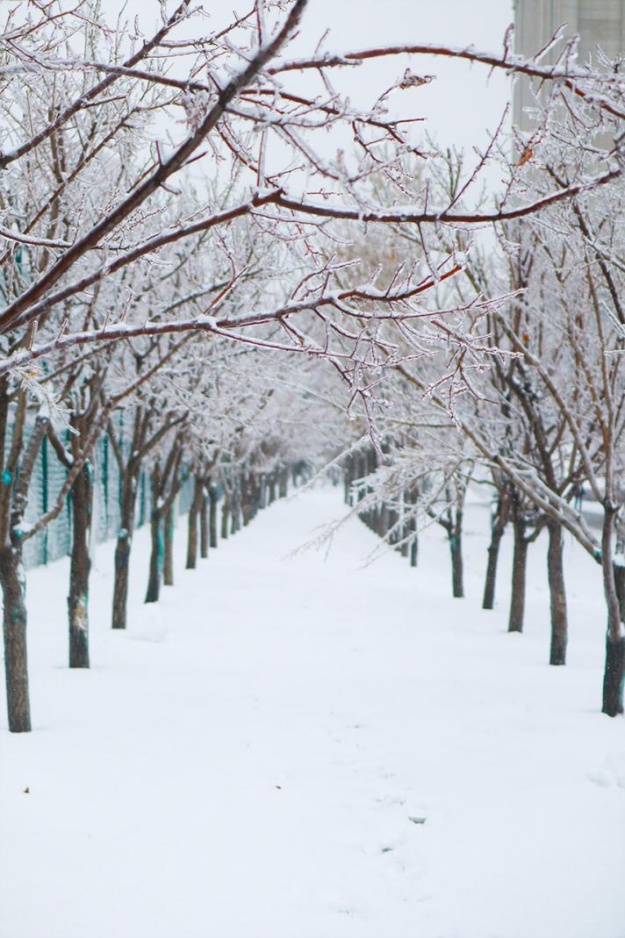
[600, 24]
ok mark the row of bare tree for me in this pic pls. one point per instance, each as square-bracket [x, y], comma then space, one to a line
[538, 412]
[236, 454]
[186, 212]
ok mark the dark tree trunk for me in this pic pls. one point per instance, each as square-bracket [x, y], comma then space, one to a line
[122, 550]
[156, 537]
[283, 483]
[120, 587]
[498, 526]
[225, 516]
[204, 525]
[619, 585]
[347, 480]
[613, 585]
[557, 593]
[145, 439]
[414, 543]
[213, 502]
[519, 576]
[168, 557]
[457, 567]
[405, 528]
[156, 551]
[247, 499]
[257, 494]
[197, 507]
[16, 477]
[235, 508]
[453, 526]
[488, 602]
[613, 677]
[80, 569]
[166, 480]
[393, 526]
[15, 652]
[451, 520]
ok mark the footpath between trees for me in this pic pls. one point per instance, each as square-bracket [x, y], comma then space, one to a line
[304, 744]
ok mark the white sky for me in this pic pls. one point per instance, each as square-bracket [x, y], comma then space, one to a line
[463, 101]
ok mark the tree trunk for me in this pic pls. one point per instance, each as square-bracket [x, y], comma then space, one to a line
[156, 537]
[15, 652]
[213, 501]
[246, 489]
[414, 543]
[613, 667]
[13, 502]
[122, 550]
[519, 575]
[488, 602]
[457, 567]
[557, 594]
[613, 677]
[405, 527]
[235, 508]
[205, 525]
[156, 554]
[120, 586]
[498, 526]
[225, 516]
[168, 557]
[197, 506]
[347, 480]
[257, 494]
[283, 483]
[619, 585]
[614, 672]
[80, 569]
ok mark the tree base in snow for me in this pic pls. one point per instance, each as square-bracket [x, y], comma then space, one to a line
[78, 647]
[613, 677]
[557, 655]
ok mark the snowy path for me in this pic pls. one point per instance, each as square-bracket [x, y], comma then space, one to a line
[254, 758]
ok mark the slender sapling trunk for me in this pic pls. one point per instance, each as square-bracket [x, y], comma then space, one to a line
[519, 576]
[614, 671]
[498, 526]
[168, 558]
[557, 594]
[197, 506]
[15, 650]
[80, 568]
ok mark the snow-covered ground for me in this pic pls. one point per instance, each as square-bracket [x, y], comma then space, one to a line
[309, 747]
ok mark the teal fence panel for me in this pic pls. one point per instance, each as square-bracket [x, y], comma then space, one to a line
[48, 478]
[47, 481]
[185, 496]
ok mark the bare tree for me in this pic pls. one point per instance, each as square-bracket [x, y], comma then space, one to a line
[86, 201]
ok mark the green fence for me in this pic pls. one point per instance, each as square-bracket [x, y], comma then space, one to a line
[48, 478]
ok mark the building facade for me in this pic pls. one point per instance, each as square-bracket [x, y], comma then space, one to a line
[600, 24]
